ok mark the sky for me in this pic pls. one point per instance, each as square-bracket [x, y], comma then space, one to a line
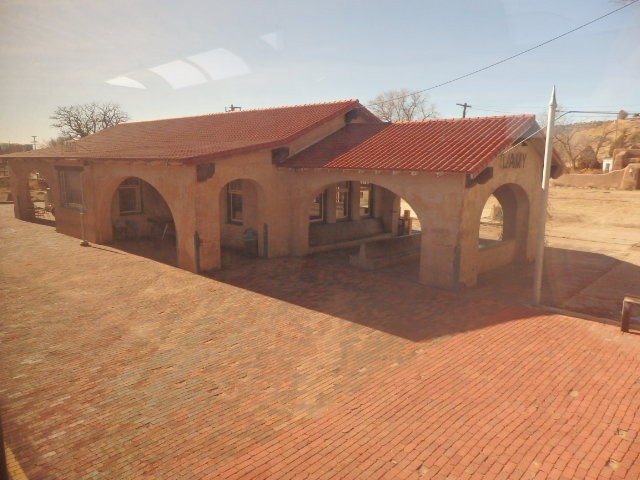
[162, 59]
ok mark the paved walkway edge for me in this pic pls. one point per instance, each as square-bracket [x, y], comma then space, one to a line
[15, 470]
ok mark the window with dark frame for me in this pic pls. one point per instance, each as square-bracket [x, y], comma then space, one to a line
[234, 202]
[366, 200]
[343, 197]
[316, 213]
[130, 196]
[71, 187]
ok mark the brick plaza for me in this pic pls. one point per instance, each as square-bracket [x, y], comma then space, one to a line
[116, 366]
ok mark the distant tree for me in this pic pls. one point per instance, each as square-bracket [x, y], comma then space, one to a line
[56, 142]
[402, 105]
[566, 138]
[603, 137]
[587, 158]
[15, 147]
[621, 141]
[622, 115]
[77, 121]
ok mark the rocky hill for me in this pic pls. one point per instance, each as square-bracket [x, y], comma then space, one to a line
[584, 145]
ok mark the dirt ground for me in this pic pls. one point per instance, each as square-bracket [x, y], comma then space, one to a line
[601, 221]
[594, 244]
[592, 259]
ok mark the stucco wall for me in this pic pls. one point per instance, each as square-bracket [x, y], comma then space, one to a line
[277, 200]
[527, 180]
[436, 199]
[603, 180]
[497, 255]
[612, 179]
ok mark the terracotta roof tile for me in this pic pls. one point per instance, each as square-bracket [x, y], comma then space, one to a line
[191, 139]
[335, 145]
[451, 145]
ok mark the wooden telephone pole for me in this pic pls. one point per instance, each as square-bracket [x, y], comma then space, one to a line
[464, 106]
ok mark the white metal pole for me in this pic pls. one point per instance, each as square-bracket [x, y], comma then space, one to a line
[542, 219]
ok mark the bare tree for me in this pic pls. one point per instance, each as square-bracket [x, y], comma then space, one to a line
[603, 137]
[59, 141]
[402, 105]
[77, 121]
[565, 138]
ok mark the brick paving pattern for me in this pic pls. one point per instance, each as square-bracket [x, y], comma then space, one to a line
[115, 366]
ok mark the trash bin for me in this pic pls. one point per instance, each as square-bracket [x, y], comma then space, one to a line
[250, 239]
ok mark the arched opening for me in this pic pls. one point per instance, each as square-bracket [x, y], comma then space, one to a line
[409, 221]
[345, 212]
[243, 232]
[40, 206]
[367, 223]
[503, 228]
[491, 223]
[142, 221]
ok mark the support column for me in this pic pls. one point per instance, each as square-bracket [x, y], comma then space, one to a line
[300, 231]
[19, 181]
[330, 215]
[207, 224]
[439, 259]
[354, 201]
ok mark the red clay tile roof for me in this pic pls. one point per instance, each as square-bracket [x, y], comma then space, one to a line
[193, 139]
[452, 145]
[335, 145]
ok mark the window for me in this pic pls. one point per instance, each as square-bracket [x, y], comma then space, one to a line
[234, 202]
[342, 201]
[130, 196]
[71, 187]
[316, 214]
[366, 200]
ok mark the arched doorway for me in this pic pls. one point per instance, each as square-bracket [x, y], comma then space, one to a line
[40, 205]
[357, 210]
[491, 223]
[243, 231]
[372, 225]
[142, 221]
[503, 228]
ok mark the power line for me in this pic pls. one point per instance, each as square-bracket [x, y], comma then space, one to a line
[499, 111]
[564, 113]
[541, 129]
[508, 58]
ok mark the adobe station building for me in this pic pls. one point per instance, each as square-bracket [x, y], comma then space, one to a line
[297, 180]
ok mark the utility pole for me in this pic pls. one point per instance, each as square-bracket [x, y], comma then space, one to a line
[34, 141]
[464, 106]
[542, 219]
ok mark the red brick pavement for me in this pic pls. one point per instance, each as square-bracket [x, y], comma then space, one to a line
[115, 366]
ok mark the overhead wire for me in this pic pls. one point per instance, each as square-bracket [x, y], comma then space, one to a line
[539, 130]
[564, 113]
[487, 67]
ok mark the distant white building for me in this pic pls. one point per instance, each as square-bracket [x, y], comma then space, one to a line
[607, 165]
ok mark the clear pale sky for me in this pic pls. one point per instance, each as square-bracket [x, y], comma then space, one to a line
[161, 59]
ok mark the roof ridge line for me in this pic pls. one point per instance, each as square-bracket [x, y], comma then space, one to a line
[212, 114]
[469, 119]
